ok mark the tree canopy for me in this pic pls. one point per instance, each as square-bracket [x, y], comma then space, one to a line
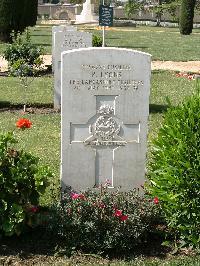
[16, 15]
[186, 16]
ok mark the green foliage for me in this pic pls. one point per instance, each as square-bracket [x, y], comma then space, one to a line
[175, 170]
[5, 15]
[96, 40]
[104, 221]
[170, 6]
[22, 181]
[76, 1]
[131, 7]
[186, 16]
[16, 15]
[23, 57]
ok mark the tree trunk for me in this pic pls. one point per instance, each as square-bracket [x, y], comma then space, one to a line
[159, 14]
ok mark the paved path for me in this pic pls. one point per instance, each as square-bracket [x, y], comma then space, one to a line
[190, 66]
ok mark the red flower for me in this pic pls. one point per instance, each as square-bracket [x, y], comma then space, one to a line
[118, 213]
[185, 75]
[81, 196]
[77, 196]
[124, 217]
[156, 200]
[34, 209]
[74, 195]
[23, 123]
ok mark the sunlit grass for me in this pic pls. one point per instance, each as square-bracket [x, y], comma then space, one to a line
[162, 43]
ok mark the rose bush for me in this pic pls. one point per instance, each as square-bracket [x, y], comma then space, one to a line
[104, 221]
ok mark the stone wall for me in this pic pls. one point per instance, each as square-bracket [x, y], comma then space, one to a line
[69, 12]
[63, 12]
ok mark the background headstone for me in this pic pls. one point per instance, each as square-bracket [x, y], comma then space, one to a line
[64, 41]
[55, 29]
[105, 107]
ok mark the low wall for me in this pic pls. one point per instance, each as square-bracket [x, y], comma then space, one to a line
[69, 12]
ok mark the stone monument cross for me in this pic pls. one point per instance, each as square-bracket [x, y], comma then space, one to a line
[104, 117]
[106, 134]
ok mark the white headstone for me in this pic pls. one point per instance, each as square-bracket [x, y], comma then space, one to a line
[61, 28]
[65, 41]
[105, 108]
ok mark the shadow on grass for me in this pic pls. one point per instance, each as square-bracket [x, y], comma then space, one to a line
[36, 241]
[39, 242]
[6, 105]
[42, 44]
[40, 35]
[158, 108]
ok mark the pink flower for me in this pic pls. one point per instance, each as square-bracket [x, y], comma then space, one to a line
[77, 196]
[74, 195]
[156, 200]
[118, 213]
[124, 217]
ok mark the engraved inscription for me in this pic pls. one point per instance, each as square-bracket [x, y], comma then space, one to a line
[71, 43]
[108, 77]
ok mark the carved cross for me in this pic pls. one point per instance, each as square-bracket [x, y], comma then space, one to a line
[104, 133]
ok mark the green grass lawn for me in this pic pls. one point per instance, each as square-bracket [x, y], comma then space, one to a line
[162, 43]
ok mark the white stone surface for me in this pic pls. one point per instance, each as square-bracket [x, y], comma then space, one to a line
[65, 41]
[55, 29]
[105, 108]
[87, 15]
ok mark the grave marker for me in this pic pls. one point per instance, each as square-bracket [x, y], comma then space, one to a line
[105, 107]
[55, 29]
[65, 41]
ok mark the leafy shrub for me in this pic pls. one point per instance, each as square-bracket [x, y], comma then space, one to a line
[23, 57]
[104, 221]
[96, 41]
[22, 181]
[175, 170]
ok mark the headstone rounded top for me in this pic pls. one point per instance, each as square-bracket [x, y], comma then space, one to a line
[104, 109]
[108, 49]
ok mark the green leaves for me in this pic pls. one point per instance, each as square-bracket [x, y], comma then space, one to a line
[96, 40]
[23, 57]
[175, 169]
[22, 181]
